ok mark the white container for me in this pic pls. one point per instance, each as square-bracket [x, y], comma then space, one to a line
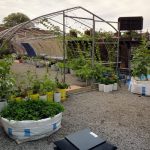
[139, 87]
[57, 97]
[43, 97]
[2, 105]
[101, 87]
[29, 130]
[115, 86]
[108, 88]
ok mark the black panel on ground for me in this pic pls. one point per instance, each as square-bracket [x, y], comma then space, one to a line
[84, 139]
[65, 145]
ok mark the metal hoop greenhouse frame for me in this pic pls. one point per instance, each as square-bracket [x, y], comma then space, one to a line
[9, 33]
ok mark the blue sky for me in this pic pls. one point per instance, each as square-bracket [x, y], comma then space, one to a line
[106, 9]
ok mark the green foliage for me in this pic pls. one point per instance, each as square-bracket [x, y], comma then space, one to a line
[85, 72]
[131, 34]
[4, 47]
[36, 87]
[61, 85]
[6, 79]
[14, 19]
[141, 60]
[77, 63]
[47, 85]
[61, 65]
[31, 110]
[104, 75]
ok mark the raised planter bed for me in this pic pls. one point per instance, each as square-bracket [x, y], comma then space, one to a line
[139, 87]
[22, 131]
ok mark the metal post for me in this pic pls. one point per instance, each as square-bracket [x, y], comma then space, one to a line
[93, 41]
[118, 40]
[64, 46]
[93, 45]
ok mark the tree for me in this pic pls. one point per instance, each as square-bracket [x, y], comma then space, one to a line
[14, 19]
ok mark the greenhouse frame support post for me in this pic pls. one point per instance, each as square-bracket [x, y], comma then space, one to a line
[118, 43]
[93, 41]
[64, 47]
[93, 45]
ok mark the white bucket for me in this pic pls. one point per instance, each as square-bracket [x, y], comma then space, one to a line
[115, 86]
[108, 88]
[101, 87]
[57, 97]
[43, 97]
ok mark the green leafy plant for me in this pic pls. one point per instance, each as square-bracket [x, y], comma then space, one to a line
[141, 60]
[36, 86]
[77, 63]
[47, 85]
[31, 110]
[62, 85]
[85, 72]
[6, 79]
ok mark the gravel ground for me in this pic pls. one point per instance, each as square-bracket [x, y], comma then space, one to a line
[120, 117]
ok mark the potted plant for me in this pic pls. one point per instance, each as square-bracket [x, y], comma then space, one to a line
[6, 82]
[141, 61]
[36, 84]
[98, 71]
[62, 89]
[101, 82]
[31, 119]
[108, 84]
[47, 88]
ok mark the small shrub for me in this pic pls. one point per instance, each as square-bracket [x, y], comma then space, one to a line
[31, 110]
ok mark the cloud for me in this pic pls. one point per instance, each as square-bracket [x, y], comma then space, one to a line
[107, 9]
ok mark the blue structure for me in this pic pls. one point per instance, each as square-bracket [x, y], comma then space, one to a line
[29, 49]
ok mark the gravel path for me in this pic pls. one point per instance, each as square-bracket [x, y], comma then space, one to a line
[120, 117]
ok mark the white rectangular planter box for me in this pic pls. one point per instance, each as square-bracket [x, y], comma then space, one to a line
[101, 87]
[115, 87]
[28, 130]
[57, 97]
[108, 88]
[43, 97]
